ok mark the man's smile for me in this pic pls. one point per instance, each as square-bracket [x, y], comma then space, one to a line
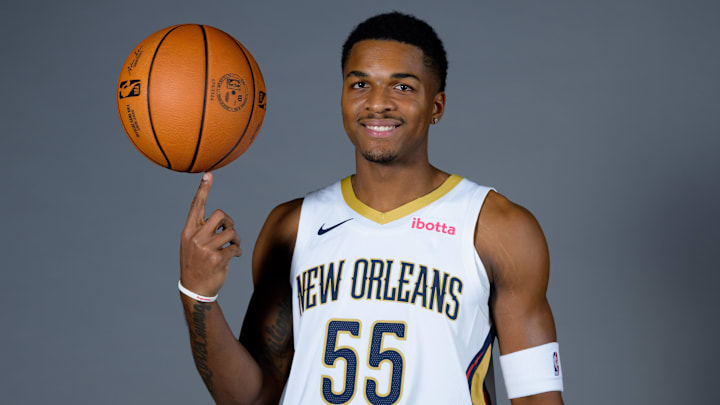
[380, 128]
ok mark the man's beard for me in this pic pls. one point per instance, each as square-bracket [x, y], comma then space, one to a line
[379, 156]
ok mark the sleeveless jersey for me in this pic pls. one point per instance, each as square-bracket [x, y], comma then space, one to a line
[390, 308]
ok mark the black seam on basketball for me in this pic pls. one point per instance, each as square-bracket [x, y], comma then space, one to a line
[202, 117]
[252, 107]
[152, 126]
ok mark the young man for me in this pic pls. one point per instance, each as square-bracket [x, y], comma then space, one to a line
[380, 288]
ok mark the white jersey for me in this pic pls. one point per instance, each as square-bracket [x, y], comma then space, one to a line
[390, 308]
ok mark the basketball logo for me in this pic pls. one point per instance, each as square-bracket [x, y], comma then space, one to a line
[129, 88]
[232, 92]
[261, 100]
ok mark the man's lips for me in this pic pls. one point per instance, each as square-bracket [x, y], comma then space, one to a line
[380, 128]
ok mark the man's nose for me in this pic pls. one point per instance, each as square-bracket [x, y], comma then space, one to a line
[379, 100]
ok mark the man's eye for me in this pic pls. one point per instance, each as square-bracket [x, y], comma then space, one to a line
[359, 85]
[403, 87]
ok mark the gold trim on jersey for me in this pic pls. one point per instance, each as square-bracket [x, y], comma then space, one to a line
[404, 210]
[477, 386]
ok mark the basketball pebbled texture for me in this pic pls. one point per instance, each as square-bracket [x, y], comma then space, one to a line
[191, 98]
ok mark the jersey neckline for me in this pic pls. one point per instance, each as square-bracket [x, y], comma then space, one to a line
[404, 210]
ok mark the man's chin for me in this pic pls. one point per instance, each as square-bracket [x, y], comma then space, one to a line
[379, 156]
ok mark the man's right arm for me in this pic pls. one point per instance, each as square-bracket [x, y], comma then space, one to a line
[252, 371]
[268, 328]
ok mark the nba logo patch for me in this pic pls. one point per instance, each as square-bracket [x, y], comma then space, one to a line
[129, 88]
[556, 363]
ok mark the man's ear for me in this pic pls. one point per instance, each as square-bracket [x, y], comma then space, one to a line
[438, 106]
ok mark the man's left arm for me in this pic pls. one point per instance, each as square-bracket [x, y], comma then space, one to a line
[512, 245]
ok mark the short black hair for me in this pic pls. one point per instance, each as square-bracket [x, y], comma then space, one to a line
[396, 26]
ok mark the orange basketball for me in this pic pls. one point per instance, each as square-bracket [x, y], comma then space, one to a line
[191, 98]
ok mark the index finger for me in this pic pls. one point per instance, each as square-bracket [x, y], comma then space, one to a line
[197, 208]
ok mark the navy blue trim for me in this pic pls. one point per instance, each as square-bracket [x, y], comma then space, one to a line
[486, 393]
[471, 370]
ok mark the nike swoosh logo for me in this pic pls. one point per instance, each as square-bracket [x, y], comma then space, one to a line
[322, 231]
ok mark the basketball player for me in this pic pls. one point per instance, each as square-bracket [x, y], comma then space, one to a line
[390, 286]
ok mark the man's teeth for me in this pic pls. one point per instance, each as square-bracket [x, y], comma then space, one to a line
[381, 128]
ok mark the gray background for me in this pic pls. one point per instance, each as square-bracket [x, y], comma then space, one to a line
[601, 118]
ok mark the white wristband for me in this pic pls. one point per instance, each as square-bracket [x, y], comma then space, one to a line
[532, 371]
[195, 296]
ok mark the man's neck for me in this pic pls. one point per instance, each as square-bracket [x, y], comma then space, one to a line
[386, 186]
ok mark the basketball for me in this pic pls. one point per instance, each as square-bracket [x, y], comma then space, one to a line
[191, 98]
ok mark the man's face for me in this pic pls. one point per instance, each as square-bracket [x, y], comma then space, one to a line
[389, 98]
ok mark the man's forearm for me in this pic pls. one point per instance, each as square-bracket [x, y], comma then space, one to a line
[228, 370]
[546, 398]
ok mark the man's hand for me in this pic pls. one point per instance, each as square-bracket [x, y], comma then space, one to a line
[204, 262]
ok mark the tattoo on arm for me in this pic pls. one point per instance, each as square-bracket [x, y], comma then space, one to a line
[277, 339]
[199, 344]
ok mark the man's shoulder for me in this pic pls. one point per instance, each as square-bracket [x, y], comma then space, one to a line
[277, 239]
[507, 232]
[502, 212]
[284, 217]
[496, 208]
